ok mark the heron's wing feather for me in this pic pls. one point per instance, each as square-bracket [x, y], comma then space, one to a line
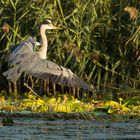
[25, 62]
[12, 74]
[43, 69]
[18, 51]
[33, 65]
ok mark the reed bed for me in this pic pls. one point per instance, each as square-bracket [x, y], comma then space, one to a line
[99, 40]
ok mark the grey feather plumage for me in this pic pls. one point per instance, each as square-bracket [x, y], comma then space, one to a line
[23, 59]
[43, 69]
[18, 51]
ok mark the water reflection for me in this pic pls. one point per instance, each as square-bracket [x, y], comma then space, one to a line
[37, 129]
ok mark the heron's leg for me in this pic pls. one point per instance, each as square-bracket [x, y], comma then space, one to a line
[15, 89]
[30, 78]
[24, 77]
[61, 89]
[73, 91]
[77, 93]
[19, 84]
[41, 85]
[10, 87]
[54, 88]
[47, 87]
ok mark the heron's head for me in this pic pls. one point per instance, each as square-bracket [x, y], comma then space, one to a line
[47, 24]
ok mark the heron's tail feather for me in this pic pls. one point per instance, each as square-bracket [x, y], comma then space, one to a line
[12, 74]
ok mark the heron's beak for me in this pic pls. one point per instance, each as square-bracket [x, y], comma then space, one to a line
[37, 43]
[54, 27]
[51, 26]
[58, 28]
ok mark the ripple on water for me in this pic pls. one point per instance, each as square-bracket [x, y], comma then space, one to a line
[39, 129]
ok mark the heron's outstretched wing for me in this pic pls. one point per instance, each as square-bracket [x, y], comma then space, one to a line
[22, 64]
[12, 74]
[43, 69]
[33, 65]
[18, 51]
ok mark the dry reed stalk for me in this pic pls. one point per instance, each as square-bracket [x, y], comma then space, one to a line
[5, 28]
[132, 11]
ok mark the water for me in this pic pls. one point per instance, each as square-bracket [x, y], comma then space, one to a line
[39, 129]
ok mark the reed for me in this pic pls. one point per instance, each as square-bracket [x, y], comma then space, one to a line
[99, 40]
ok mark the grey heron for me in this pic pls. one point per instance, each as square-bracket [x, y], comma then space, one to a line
[24, 59]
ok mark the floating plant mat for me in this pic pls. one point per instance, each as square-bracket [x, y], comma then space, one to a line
[98, 116]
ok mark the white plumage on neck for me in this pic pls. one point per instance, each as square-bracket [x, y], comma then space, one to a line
[43, 50]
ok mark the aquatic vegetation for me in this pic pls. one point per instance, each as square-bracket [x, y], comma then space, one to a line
[69, 104]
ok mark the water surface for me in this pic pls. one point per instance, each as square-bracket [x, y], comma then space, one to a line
[41, 129]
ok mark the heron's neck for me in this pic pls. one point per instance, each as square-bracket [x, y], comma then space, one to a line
[43, 50]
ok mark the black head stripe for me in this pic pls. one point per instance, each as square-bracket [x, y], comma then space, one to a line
[47, 21]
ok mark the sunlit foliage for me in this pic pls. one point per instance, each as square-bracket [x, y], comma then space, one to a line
[99, 39]
[68, 104]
